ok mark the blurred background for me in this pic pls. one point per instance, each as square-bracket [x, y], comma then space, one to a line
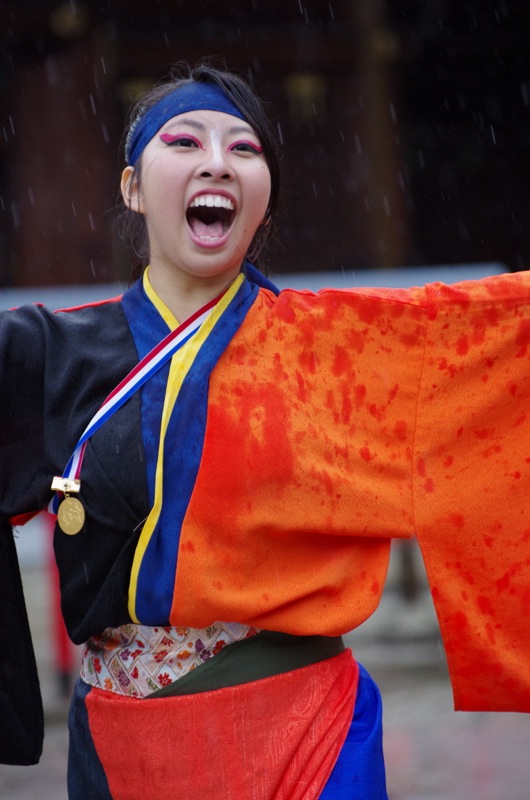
[405, 132]
[405, 126]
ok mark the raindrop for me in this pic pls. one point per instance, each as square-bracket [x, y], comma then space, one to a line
[2, 203]
[166, 39]
[12, 125]
[526, 94]
[358, 145]
[105, 132]
[341, 134]
[493, 134]
[92, 268]
[280, 133]
[52, 71]
[31, 196]
[300, 6]
[463, 231]
[93, 104]
[73, 209]
[103, 66]
[331, 13]
[82, 108]
[393, 112]
[386, 205]
[16, 216]
[441, 651]
[315, 190]
[91, 221]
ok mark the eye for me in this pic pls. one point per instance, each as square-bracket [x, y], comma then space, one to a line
[180, 140]
[246, 147]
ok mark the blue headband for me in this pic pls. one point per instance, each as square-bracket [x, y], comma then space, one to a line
[189, 97]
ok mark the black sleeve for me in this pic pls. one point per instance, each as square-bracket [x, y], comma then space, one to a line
[55, 370]
[22, 458]
[21, 713]
[22, 488]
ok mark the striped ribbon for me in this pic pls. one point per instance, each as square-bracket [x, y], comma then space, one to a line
[139, 375]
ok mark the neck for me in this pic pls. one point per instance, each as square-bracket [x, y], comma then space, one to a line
[184, 294]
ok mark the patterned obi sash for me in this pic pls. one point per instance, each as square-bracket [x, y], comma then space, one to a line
[137, 660]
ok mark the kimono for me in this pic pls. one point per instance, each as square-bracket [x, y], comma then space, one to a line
[259, 478]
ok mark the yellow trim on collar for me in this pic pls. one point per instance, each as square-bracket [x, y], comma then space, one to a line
[181, 363]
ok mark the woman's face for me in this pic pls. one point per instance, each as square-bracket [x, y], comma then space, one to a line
[204, 191]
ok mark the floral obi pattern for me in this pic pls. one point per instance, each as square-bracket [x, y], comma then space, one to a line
[137, 660]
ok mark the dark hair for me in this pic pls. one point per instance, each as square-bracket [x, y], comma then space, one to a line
[132, 224]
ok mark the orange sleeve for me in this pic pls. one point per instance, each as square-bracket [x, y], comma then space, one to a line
[340, 420]
[471, 485]
[305, 473]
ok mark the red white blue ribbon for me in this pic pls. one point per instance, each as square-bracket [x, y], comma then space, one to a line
[139, 375]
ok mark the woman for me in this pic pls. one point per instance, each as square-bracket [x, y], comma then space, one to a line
[230, 492]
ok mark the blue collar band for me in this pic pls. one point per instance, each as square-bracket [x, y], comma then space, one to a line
[188, 97]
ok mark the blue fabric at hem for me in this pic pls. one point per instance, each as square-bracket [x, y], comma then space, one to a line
[359, 773]
[86, 776]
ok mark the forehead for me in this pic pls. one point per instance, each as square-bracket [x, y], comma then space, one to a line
[205, 120]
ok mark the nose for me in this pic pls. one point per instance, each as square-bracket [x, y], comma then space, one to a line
[215, 164]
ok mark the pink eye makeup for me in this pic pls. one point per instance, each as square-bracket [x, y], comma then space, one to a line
[184, 139]
[188, 140]
[246, 146]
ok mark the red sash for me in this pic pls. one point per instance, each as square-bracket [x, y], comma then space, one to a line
[276, 738]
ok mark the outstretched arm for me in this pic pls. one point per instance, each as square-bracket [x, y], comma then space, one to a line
[471, 478]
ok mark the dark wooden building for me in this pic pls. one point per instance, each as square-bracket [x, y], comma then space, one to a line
[405, 126]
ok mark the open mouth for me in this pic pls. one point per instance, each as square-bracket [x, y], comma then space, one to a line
[210, 217]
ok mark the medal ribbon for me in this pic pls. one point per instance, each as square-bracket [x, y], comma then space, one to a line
[139, 375]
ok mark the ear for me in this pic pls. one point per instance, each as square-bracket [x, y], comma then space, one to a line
[130, 190]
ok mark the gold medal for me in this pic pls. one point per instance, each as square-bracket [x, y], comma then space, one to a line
[71, 515]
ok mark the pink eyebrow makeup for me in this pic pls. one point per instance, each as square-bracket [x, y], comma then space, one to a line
[169, 138]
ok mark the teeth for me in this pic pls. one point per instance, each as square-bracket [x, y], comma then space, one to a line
[212, 201]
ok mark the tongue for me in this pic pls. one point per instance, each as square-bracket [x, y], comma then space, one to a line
[214, 230]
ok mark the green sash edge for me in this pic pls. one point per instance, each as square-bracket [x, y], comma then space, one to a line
[262, 656]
